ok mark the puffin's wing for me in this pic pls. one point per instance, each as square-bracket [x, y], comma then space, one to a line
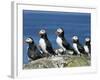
[49, 47]
[31, 54]
[81, 48]
[66, 44]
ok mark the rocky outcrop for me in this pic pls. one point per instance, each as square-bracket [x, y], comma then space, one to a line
[59, 61]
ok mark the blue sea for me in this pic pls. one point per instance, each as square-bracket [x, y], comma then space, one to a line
[73, 24]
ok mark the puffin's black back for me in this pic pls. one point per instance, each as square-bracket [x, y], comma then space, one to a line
[66, 44]
[89, 46]
[80, 48]
[49, 47]
[64, 41]
[48, 44]
[33, 51]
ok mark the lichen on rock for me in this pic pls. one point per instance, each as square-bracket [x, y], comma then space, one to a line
[59, 62]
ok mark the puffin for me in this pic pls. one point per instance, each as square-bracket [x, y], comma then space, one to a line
[87, 46]
[62, 42]
[77, 45]
[45, 45]
[33, 52]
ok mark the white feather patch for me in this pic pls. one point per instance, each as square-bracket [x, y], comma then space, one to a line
[86, 49]
[75, 38]
[59, 42]
[42, 31]
[28, 40]
[42, 44]
[59, 30]
[76, 48]
[87, 39]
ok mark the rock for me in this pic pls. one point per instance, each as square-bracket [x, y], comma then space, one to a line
[59, 61]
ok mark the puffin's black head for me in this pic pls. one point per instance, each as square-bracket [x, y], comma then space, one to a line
[43, 33]
[60, 32]
[29, 40]
[75, 39]
[87, 41]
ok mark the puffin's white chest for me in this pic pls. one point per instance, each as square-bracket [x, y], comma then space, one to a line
[42, 44]
[86, 48]
[59, 42]
[76, 48]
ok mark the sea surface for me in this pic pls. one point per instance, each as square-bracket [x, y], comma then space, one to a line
[73, 23]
